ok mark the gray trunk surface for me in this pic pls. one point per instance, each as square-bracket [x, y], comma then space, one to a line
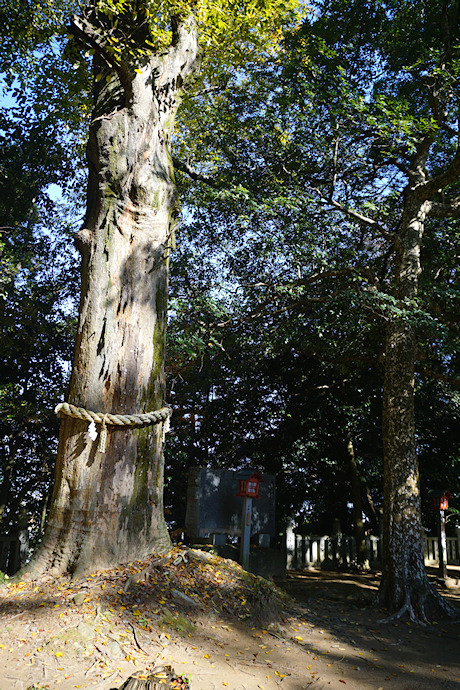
[404, 588]
[107, 507]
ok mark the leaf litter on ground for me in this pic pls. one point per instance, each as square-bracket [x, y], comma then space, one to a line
[137, 618]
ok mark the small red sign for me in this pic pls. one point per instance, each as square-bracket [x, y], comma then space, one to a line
[444, 503]
[249, 488]
[440, 502]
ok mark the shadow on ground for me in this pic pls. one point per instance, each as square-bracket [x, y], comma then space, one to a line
[221, 627]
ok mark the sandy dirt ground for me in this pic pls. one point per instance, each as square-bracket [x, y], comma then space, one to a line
[216, 626]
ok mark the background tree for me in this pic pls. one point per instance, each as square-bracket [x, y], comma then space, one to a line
[361, 129]
[35, 337]
[256, 381]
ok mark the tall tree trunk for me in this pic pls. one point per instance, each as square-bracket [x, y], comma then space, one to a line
[8, 466]
[372, 514]
[362, 555]
[108, 507]
[404, 588]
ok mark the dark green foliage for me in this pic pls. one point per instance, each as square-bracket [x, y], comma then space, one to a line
[38, 279]
[35, 339]
[282, 346]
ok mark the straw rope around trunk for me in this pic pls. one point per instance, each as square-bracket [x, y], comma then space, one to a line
[133, 420]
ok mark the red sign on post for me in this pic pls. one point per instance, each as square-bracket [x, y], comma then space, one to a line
[440, 501]
[252, 487]
[249, 488]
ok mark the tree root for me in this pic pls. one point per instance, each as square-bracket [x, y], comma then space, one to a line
[405, 608]
[162, 677]
[144, 574]
[136, 640]
[416, 611]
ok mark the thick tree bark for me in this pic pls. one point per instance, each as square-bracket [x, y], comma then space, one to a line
[107, 507]
[404, 588]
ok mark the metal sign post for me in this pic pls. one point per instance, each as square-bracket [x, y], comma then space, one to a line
[248, 488]
[440, 503]
[246, 532]
[442, 545]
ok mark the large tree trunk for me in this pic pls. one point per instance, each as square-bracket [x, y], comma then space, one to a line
[404, 588]
[107, 507]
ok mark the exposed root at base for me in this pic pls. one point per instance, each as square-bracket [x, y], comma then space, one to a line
[407, 608]
[431, 598]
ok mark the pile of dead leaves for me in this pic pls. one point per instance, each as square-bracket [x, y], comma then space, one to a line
[115, 619]
[161, 591]
[187, 579]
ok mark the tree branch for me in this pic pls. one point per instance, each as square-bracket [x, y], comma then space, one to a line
[361, 219]
[426, 190]
[362, 271]
[449, 210]
[453, 381]
[304, 301]
[438, 183]
[260, 310]
[185, 51]
[84, 30]
[192, 173]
